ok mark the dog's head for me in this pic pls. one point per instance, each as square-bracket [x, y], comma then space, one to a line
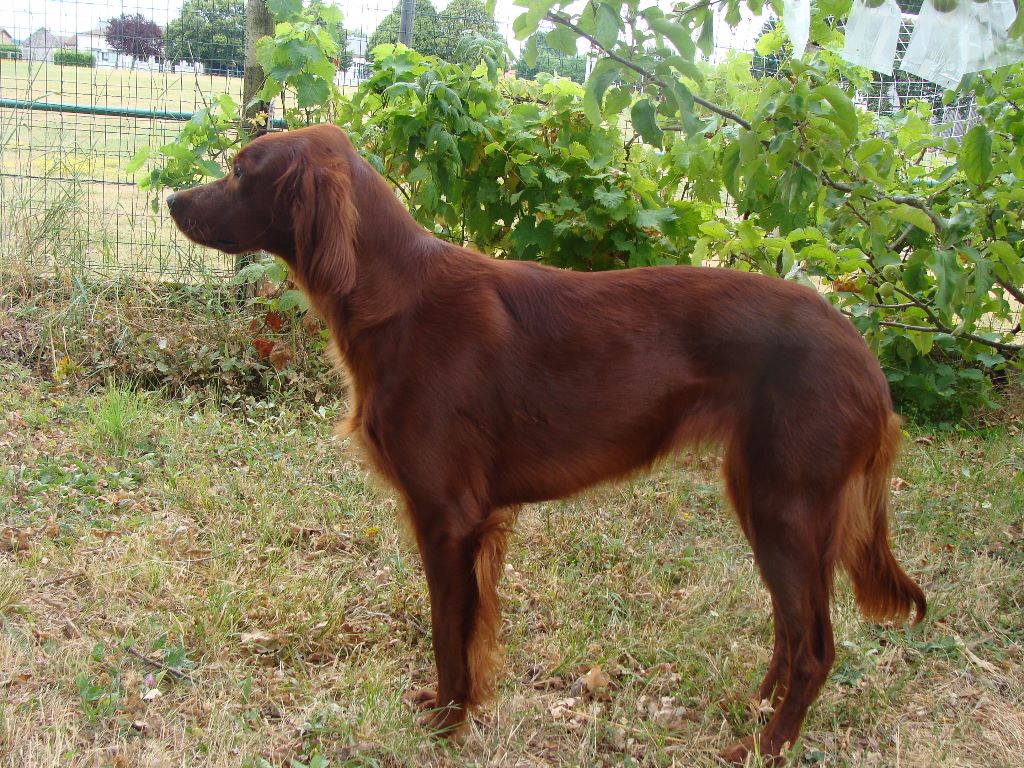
[286, 193]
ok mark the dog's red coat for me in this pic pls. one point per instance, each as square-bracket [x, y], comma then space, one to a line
[481, 384]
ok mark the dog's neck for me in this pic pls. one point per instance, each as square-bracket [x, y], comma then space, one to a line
[392, 254]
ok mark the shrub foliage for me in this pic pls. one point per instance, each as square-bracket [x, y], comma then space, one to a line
[663, 158]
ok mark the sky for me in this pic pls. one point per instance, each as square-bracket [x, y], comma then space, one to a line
[66, 17]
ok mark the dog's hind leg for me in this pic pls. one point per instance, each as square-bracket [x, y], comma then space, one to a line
[792, 551]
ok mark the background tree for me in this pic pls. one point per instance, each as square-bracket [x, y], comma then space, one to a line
[554, 61]
[211, 32]
[463, 18]
[426, 37]
[132, 34]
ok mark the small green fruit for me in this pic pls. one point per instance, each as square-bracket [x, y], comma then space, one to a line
[891, 272]
[944, 6]
[886, 290]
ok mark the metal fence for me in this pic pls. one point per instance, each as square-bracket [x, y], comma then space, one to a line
[67, 131]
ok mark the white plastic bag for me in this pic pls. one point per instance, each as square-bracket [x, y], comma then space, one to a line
[796, 18]
[872, 34]
[992, 48]
[938, 48]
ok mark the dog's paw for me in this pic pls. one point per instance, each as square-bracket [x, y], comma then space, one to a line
[421, 699]
[444, 721]
[738, 752]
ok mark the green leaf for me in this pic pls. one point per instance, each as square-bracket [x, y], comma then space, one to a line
[602, 77]
[730, 169]
[419, 173]
[706, 40]
[293, 299]
[178, 152]
[284, 9]
[606, 26]
[645, 123]
[678, 35]
[311, 90]
[976, 154]
[530, 52]
[609, 198]
[912, 215]
[563, 39]
[655, 218]
[138, 160]
[949, 276]
[616, 101]
[1017, 27]
[846, 113]
[526, 23]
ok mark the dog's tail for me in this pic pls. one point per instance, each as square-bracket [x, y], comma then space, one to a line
[882, 589]
[483, 650]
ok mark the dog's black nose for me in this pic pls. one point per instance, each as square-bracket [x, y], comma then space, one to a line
[170, 200]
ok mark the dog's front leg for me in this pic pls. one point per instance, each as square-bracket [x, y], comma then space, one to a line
[448, 558]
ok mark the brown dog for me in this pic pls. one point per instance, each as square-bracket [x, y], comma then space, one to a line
[479, 385]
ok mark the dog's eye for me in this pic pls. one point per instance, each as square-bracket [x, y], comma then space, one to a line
[238, 172]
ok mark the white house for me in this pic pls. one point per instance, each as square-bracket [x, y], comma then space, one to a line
[95, 42]
[359, 69]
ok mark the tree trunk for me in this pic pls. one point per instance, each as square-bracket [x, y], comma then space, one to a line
[255, 114]
[258, 23]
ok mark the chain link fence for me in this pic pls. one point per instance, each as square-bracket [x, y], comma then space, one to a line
[84, 84]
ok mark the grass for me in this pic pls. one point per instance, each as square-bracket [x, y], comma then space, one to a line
[68, 168]
[210, 581]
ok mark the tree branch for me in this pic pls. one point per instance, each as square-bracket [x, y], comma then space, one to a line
[1010, 349]
[910, 200]
[1011, 289]
[558, 18]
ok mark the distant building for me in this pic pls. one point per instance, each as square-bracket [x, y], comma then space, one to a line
[359, 69]
[95, 42]
[5, 37]
[42, 43]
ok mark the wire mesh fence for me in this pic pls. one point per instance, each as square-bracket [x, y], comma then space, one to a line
[84, 84]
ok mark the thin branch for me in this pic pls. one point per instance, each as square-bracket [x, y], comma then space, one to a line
[1011, 289]
[910, 200]
[558, 18]
[1010, 349]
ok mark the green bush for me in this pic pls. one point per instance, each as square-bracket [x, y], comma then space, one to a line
[10, 51]
[74, 58]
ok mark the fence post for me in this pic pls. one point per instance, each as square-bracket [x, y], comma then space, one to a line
[405, 22]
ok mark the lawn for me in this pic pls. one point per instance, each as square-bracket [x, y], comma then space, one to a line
[199, 577]
[69, 168]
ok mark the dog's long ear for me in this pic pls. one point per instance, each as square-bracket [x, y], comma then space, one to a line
[324, 220]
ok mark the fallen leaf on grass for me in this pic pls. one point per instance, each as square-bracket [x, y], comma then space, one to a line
[263, 642]
[15, 539]
[21, 677]
[594, 683]
[280, 356]
[899, 484]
